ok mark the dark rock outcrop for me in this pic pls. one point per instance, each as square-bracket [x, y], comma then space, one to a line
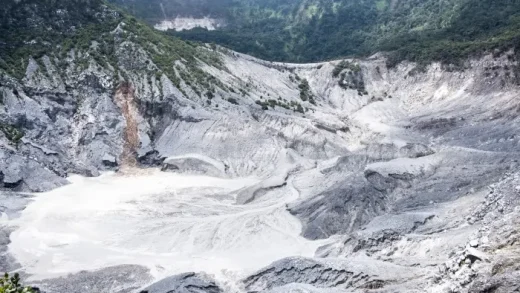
[185, 283]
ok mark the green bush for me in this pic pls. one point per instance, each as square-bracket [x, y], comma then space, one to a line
[12, 133]
[233, 101]
[12, 285]
[305, 91]
[355, 68]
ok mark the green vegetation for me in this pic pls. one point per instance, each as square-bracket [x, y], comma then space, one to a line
[344, 64]
[350, 76]
[37, 28]
[12, 285]
[12, 133]
[154, 11]
[295, 106]
[34, 28]
[305, 92]
[480, 26]
[165, 51]
[315, 30]
[233, 101]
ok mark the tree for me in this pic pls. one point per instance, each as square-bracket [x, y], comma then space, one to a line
[12, 285]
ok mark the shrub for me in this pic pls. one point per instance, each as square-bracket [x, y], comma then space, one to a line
[12, 285]
[233, 101]
[305, 91]
[339, 68]
[210, 95]
[12, 133]
[354, 68]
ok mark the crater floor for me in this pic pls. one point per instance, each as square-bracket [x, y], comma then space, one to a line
[168, 222]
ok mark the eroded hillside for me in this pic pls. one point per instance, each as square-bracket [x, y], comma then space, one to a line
[343, 176]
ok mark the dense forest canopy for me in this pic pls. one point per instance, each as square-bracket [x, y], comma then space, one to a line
[32, 28]
[157, 10]
[314, 30]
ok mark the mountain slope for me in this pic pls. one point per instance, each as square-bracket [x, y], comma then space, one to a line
[156, 10]
[315, 30]
[75, 54]
[341, 176]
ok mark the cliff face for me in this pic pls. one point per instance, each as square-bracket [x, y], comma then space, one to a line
[390, 165]
[88, 119]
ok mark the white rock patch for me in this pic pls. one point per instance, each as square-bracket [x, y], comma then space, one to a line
[187, 23]
[170, 223]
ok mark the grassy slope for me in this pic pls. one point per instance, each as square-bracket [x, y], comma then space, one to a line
[34, 28]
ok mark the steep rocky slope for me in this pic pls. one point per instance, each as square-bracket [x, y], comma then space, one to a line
[369, 179]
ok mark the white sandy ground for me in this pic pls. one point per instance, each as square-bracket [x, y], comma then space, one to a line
[168, 222]
[187, 23]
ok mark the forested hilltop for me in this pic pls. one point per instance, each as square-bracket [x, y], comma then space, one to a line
[156, 10]
[314, 30]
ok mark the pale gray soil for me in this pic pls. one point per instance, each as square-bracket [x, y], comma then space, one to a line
[412, 187]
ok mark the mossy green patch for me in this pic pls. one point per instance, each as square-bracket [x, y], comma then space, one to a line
[12, 133]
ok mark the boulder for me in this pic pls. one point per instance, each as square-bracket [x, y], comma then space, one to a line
[184, 283]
